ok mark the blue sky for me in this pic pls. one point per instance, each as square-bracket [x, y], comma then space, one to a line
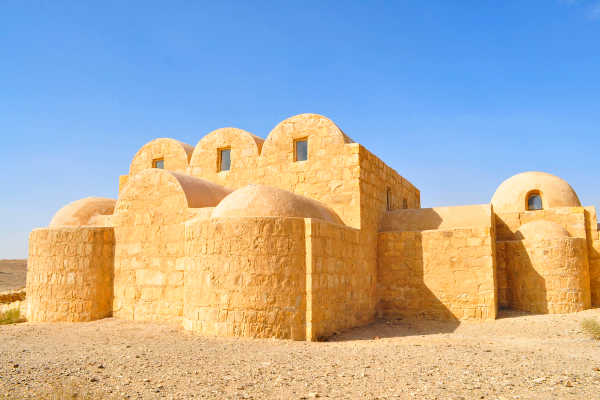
[455, 95]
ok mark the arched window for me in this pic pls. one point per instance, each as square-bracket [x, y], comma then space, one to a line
[534, 201]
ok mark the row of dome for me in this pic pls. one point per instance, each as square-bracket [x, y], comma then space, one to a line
[258, 200]
[245, 147]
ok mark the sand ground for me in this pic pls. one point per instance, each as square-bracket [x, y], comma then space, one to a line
[515, 357]
[12, 274]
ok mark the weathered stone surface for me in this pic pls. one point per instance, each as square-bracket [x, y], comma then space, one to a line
[547, 276]
[70, 274]
[438, 274]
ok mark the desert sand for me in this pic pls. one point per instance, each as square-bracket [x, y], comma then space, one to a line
[515, 357]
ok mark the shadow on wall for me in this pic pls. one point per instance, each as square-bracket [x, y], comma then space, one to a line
[526, 288]
[405, 284]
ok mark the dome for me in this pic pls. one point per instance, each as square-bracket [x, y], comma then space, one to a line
[172, 187]
[511, 195]
[540, 230]
[266, 201]
[83, 212]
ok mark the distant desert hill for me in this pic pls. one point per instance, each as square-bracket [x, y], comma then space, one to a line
[12, 274]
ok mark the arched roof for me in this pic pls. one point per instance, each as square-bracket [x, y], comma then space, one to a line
[540, 230]
[267, 201]
[83, 212]
[175, 154]
[193, 192]
[245, 148]
[299, 126]
[511, 195]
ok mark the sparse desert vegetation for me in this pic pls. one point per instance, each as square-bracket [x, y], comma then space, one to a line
[591, 327]
[11, 316]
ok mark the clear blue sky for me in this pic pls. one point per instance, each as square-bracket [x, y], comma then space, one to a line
[455, 95]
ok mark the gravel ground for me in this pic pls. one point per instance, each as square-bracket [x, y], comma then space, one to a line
[515, 357]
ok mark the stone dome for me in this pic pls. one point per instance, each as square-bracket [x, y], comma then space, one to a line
[266, 201]
[540, 230]
[83, 212]
[511, 195]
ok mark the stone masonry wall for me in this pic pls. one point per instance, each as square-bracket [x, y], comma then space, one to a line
[246, 277]
[244, 153]
[570, 218]
[593, 236]
[339, 279]
[547, 276]
[70, 274]
[149, 248]
[438, 274]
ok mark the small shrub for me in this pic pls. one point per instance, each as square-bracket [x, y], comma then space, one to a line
[591, 327]
[12, 316]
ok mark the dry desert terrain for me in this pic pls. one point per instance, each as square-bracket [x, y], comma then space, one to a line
[12, 274]
[515, 357]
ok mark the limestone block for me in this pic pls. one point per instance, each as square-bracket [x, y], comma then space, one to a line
[70, 274]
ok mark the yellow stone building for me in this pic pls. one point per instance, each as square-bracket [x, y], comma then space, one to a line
[304, 234]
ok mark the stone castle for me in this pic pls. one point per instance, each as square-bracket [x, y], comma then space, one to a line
[304, 234]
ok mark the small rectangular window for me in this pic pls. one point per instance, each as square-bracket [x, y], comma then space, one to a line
[404, 203]
[388, 199]
[224, 159]
[158, 163]
[301, 149]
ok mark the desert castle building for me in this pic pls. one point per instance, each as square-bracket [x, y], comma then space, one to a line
[303, 234]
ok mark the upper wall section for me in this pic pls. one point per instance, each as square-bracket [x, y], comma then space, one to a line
[90, 211]
[337, 172]
[175, 154]
[244, 151]
[512, 194]
[423, 219]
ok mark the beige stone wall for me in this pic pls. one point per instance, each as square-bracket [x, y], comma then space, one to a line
[330, 174]
[593, 236]
[245, 150]
[547, 276]
[246, 277]
[570, 218]
[339, 279]
[175, 154]
[70, 274]
[421, 219]
[150, 237]
[438, 274]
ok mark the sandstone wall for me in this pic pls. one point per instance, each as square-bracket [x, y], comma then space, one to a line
[593, 236]
[339, 279]
[245, 150]
[421, 219]
[176, 155]
[246, 277]
[547, 276]
[70, 274]
[439, 274]
[570, 218]
[150, 236]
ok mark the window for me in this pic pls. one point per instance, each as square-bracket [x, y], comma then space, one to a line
[158, 163]
[224, 159]
[301, 149]
[388, 199]
[534, 201]
[404, 203]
